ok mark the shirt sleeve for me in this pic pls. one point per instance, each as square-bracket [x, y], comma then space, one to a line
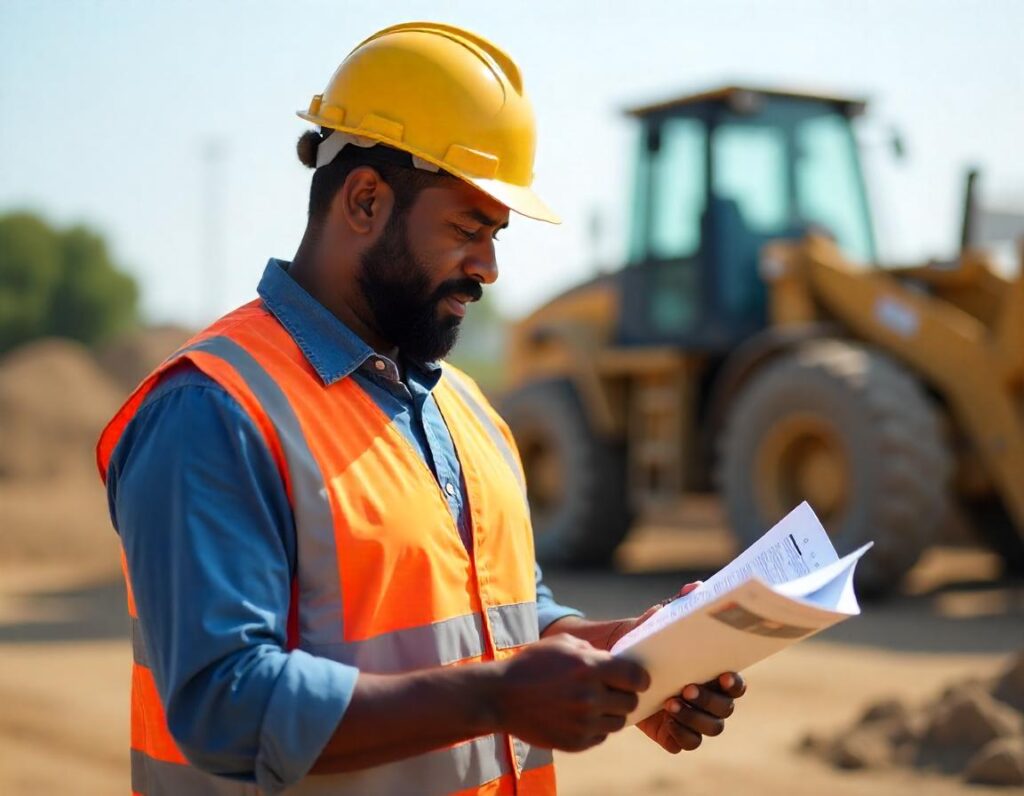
[210, 544]
[548, 611]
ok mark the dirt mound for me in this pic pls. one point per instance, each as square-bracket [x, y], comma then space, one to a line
[59, 521]
[54, 400]
[130, 358]
[974, 729]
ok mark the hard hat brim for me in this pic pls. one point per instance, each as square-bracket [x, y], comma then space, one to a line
[518, 198]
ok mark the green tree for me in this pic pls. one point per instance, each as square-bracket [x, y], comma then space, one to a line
[29, 270]
[59, 282]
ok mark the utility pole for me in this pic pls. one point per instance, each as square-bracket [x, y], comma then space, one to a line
[595, 239]
[212, 225]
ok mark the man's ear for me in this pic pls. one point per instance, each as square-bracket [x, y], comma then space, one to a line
[364, 202]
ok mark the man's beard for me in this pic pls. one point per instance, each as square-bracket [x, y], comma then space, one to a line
[396, 287]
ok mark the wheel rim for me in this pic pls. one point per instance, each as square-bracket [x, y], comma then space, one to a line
[802, 457]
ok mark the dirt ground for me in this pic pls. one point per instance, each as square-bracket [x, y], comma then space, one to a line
[64, 663]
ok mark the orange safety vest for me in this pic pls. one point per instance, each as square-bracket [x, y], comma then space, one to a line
[383, 580]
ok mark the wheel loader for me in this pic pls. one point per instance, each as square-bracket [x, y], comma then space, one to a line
[751, 346]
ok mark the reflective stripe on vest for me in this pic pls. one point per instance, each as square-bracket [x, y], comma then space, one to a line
[421, 647]
[152, 777]
[383, 581]
[478, 761]
[309, 496]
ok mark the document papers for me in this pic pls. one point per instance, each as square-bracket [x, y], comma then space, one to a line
[787, 586]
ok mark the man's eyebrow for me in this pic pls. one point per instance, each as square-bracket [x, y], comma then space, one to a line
[483, 218]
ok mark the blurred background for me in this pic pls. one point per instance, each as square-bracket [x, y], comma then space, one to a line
[789, 269]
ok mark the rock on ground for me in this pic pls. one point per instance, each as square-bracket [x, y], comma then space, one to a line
[969, 718]
[1000, 762]
[1010, 686]
[973, 728]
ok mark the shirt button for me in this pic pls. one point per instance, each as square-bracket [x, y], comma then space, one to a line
[379, 364]
[449, 488]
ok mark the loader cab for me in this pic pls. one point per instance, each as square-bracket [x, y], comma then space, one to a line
[717, 176]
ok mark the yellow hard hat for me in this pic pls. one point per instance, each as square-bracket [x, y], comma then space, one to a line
[446, 96]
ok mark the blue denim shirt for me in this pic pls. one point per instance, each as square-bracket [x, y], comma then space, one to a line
[210, 543]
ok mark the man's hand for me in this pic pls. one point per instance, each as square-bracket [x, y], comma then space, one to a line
[563, 693]
[699, 710]
[696, 712]
[624, 626]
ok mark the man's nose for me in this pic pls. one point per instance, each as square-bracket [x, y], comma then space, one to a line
[482, 264]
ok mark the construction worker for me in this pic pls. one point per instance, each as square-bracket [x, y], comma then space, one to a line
[327, 548]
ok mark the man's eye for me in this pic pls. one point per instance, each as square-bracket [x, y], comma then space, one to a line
[470, 234]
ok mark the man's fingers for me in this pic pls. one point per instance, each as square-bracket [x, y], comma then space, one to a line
[583, 744]
[731, 684]
[696, 720]
[675, 737]
[623, 674]
[648, 614]
[573, 641]
[619, 703]
[713, 702]
[681, 593]
[606, 725]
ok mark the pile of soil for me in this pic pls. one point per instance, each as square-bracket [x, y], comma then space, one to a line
[130, 358]
[973, 729]
[55, 398]
[54, 401]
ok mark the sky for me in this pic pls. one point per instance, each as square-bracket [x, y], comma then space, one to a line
[170, 126]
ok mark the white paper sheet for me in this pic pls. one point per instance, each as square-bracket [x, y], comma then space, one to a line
[796, 546]
[786, 587]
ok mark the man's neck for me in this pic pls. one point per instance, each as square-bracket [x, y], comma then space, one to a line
[333, 283]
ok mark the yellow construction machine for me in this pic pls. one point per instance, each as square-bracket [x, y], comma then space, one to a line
[751, 347]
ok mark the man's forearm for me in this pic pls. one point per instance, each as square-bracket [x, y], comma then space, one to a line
[392, 717]
[601, 634]
[605, 634]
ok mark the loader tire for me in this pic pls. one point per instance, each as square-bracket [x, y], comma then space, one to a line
[852, 432]
[576, 481]
[992, 522]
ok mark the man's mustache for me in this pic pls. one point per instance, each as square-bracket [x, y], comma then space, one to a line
[469, 288]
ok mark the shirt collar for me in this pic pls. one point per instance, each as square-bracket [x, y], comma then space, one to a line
[331, 347]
